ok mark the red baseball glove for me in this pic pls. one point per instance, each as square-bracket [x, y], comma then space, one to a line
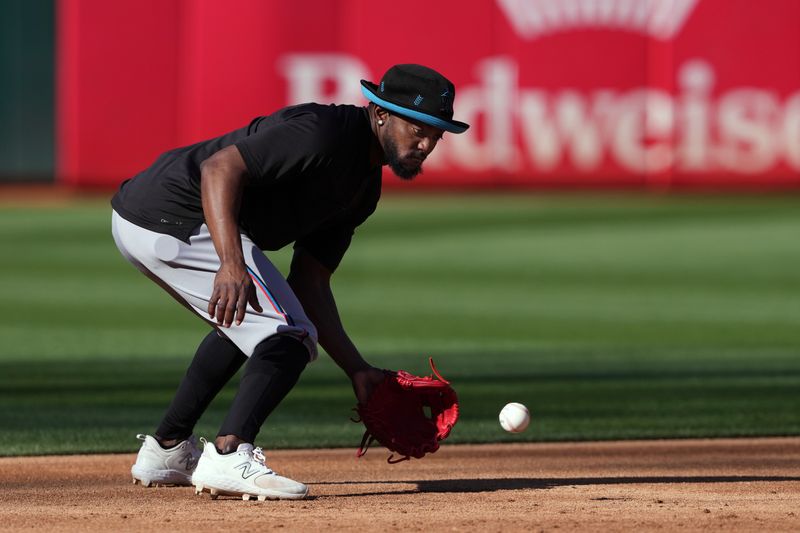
[409, 414]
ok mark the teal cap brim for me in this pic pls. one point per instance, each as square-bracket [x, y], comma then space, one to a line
[436, 122]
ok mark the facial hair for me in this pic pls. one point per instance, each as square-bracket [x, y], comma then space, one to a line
[395, 162]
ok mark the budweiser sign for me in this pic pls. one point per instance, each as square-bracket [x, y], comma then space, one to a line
[743, 130]
[565, 92]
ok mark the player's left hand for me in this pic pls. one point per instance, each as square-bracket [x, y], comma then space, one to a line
[409, 414]
[365, 381]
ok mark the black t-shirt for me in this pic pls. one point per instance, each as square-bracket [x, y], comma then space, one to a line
[309, 181]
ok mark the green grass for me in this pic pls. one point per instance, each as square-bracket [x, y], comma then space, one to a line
[610, 316]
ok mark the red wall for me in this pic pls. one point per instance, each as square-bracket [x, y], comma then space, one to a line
[560, 93]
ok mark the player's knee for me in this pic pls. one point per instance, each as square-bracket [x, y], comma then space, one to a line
[312, 334]
[281, 351]
[306, 331]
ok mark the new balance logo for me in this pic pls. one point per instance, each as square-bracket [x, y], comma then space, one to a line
[247, 469]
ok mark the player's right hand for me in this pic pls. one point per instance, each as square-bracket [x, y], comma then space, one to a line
[233, 290]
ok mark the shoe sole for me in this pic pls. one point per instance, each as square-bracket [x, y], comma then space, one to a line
[158, 478]
[214, 492]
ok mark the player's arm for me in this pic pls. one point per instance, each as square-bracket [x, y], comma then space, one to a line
[222, 179]
[310, 281]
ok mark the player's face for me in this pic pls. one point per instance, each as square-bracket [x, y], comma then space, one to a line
[407, 144]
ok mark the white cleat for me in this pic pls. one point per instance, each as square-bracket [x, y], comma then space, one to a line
[157, 466]
[243, 473]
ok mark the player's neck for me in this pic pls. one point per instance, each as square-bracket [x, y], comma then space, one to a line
[377, 157]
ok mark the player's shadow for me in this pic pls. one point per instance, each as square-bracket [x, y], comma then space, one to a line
[492, 485]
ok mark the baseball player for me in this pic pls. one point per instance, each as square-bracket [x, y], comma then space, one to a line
[196, 222]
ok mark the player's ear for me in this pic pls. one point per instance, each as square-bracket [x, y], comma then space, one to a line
[381, 114]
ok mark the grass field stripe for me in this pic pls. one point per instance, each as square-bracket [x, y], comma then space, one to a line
[710, 344]
[272, 300]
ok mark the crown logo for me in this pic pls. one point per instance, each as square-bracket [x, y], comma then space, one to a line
[661, 19]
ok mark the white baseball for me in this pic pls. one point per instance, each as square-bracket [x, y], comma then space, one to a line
[515, 417]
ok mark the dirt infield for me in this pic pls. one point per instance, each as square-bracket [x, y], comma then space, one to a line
[743, 485]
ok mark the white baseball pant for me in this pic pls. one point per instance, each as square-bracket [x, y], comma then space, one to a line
[187, 271]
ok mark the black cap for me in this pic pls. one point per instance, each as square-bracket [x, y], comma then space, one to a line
[416, 92]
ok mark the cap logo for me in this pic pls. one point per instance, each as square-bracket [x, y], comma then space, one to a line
[418, 100]
[381, 86]
[447, 103]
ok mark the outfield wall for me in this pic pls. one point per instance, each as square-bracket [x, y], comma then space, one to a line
[26, 90]
[586, 93]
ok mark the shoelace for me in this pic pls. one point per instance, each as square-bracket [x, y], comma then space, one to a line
[261, 459]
